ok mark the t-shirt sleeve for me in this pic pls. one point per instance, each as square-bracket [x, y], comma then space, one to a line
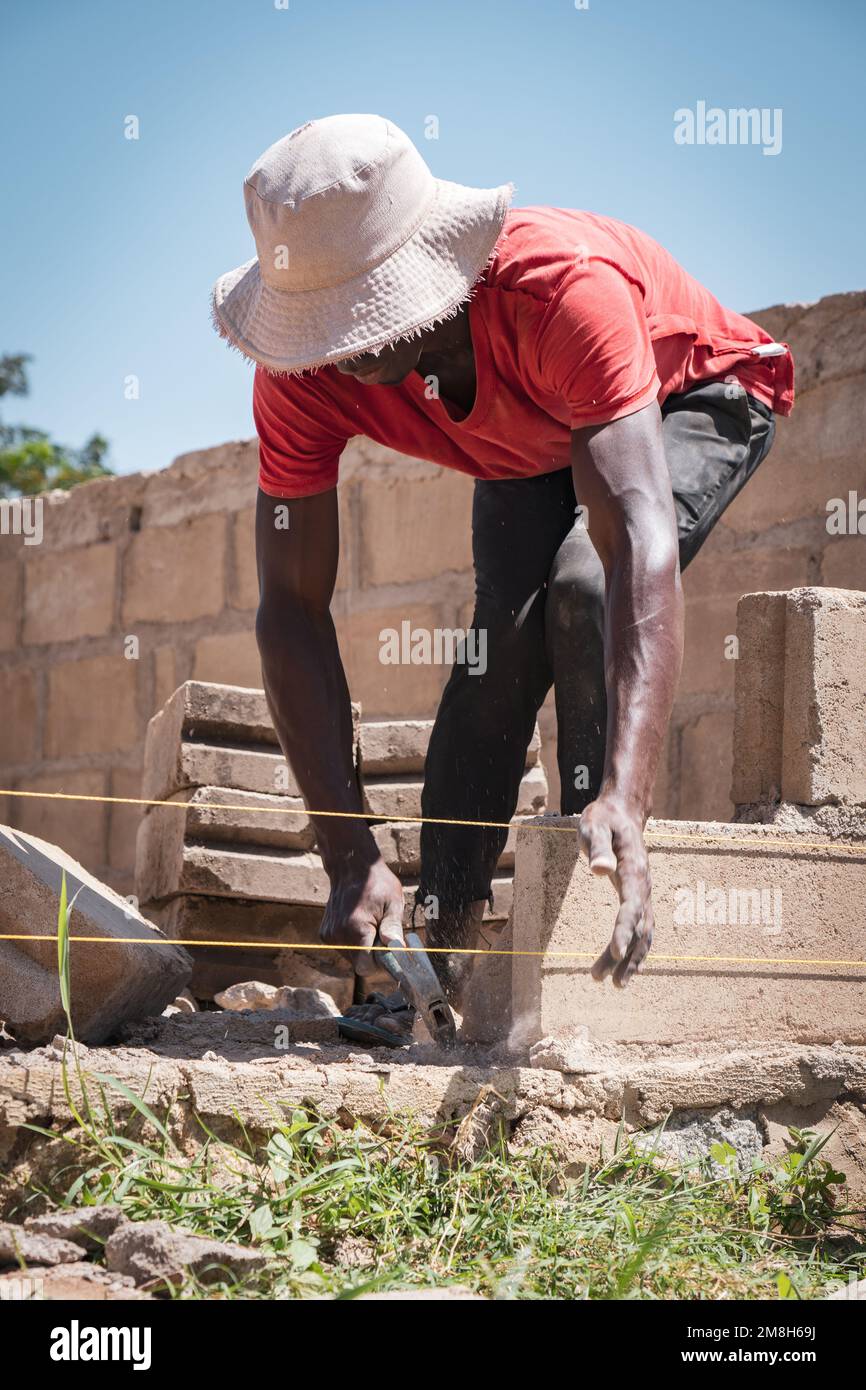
[300, 440]
[594, 350]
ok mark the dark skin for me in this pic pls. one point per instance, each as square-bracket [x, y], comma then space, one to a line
[621, 478]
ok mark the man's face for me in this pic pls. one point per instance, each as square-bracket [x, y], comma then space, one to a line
[386, 368]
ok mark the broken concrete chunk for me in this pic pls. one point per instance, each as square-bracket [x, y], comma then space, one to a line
[224, 1034]
[68, 1283]
[295, 1002]
[89, 1227]
[18, 1244]
[112, 979]
[691, 1134]
[153, 1254]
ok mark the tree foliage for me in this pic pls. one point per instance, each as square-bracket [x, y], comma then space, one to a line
[30, 461]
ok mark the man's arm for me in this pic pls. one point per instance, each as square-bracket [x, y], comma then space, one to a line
[309, 702]
[621, 477]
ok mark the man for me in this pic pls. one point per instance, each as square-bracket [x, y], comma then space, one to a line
[609, 408]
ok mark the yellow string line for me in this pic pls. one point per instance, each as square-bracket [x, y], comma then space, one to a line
[428, 950]
[433, 950]
[827, 846]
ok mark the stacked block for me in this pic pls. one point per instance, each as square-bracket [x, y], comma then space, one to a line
[232, 856]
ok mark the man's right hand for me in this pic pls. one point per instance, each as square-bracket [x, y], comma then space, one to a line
[364, 900]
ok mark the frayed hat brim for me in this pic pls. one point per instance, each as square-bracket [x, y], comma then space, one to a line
[424, 282]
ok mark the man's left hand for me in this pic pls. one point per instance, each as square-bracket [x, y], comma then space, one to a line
[611, 836]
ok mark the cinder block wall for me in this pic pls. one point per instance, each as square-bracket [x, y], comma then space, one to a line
[146, 580]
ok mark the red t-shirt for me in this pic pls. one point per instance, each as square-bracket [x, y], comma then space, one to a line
[578, 320]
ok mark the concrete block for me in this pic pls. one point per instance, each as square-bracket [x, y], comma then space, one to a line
[10, 581]
[759, 698]
[394, 746]
[400, 845]
[206, 710]
[824, 743]
[398, 746]
[206, 764]
[92, 706]
[280, 822]
[176, 570]
[399, 798]
[397, 509]
[19, 727]
[221, 719]
[843, 564]
[282, 877]
[745, 891]
[195, 818]
[705, 767]
[70, 594]
[243, 587]
[110, 983]
[230, 657]
[398, 691]
[83, 823]
[216, 735]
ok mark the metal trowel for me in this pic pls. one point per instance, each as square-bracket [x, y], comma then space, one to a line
[418, 983]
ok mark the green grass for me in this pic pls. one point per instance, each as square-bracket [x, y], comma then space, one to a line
[507, 1225]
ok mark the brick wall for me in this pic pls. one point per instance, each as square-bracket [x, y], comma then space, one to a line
[146, 580]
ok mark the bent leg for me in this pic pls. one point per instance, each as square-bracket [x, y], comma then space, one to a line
[477, 749]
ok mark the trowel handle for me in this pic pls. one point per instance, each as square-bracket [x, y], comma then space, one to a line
[399, 965]
[413, 973]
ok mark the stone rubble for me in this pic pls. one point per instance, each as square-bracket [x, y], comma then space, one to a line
[293, 1001]
[156, 1257]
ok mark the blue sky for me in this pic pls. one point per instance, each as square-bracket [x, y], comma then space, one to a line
[111, 245]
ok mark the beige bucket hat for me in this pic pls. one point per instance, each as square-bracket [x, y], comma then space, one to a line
[358, 245]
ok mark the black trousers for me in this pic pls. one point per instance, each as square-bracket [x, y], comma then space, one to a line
[539, 597]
